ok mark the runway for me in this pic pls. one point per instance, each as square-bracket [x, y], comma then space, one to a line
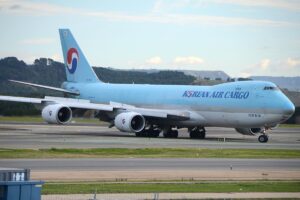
[152, 169]
[133, 164]
[94, 136]
[36, 136]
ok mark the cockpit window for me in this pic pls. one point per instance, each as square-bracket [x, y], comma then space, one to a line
[270, 88]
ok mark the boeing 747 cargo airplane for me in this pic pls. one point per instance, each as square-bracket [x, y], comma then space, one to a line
[251, 107]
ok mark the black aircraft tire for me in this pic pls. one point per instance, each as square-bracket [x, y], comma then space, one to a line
[193, 134]
[139, 134]
[197, 134]
[153, 133]
[263, 138]
[174, 134]
[201, 134]
[171, 134]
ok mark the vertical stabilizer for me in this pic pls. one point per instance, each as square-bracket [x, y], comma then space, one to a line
[77, 67]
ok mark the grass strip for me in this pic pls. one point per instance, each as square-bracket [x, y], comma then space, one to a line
[289, 125]
[21, 119]
[149, 153]
[253, 186]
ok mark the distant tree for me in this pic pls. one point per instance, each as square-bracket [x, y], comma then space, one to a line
[41, 61]
[244, 79]
[49, 72]
[11, 62]
[230, 79]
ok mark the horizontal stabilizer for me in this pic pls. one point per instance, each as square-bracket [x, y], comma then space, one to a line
[46, 87]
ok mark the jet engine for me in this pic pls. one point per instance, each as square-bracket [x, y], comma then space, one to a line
[130, 122]
[249, 131]
[57, 114]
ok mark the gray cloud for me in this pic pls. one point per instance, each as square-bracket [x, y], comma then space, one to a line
[35, 8]
[15, 7]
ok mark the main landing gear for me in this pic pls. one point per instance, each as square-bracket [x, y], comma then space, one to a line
[169, 133]
[197, 133]
[151, 132]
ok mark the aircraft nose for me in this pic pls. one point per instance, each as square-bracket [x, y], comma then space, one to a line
[288, 108]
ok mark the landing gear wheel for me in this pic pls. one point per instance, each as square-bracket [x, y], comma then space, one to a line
[263, 138]
[175, 134]
[198, 133]
[148, 133]
[139, 134]
[153, 132]
[171, 134]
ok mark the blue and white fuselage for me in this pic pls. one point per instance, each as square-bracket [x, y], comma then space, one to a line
[235, 104]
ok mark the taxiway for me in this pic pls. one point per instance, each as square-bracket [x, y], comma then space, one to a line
[36, 136]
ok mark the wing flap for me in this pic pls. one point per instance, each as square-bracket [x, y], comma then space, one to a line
[157, 113]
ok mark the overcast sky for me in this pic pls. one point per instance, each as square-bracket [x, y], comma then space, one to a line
[240, 37]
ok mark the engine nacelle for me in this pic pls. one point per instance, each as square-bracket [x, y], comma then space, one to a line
[57, 114]
[249, 131]
[130, 122]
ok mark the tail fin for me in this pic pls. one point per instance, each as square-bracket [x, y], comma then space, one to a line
[77, 67]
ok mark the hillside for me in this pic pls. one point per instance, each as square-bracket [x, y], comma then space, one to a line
[49, 72]
[198, 74]
[290, 83]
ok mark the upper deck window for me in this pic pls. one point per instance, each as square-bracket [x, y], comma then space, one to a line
[270, 88]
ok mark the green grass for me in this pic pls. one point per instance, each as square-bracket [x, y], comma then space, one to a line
[21, 119]
[250, 186]
[149, 153]
[289, 125]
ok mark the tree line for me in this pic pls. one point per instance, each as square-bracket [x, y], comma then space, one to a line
[46, 71]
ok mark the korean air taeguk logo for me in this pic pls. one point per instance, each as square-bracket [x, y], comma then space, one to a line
[72, 60]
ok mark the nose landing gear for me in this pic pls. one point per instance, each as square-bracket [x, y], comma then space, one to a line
[263, 138]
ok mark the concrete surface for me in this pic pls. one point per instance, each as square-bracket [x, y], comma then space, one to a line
[135, 164]
[158, 169]
[248, 195]
[83, 136]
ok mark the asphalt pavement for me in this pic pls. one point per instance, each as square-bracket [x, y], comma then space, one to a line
[132, 164]
[36, 136]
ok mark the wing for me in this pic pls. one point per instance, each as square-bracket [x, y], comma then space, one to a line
[112, 106]
[151, 112]
[46, 87]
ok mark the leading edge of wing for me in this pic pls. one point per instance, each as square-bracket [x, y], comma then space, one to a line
[86, 104]
[70, 102]
[45, 87]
